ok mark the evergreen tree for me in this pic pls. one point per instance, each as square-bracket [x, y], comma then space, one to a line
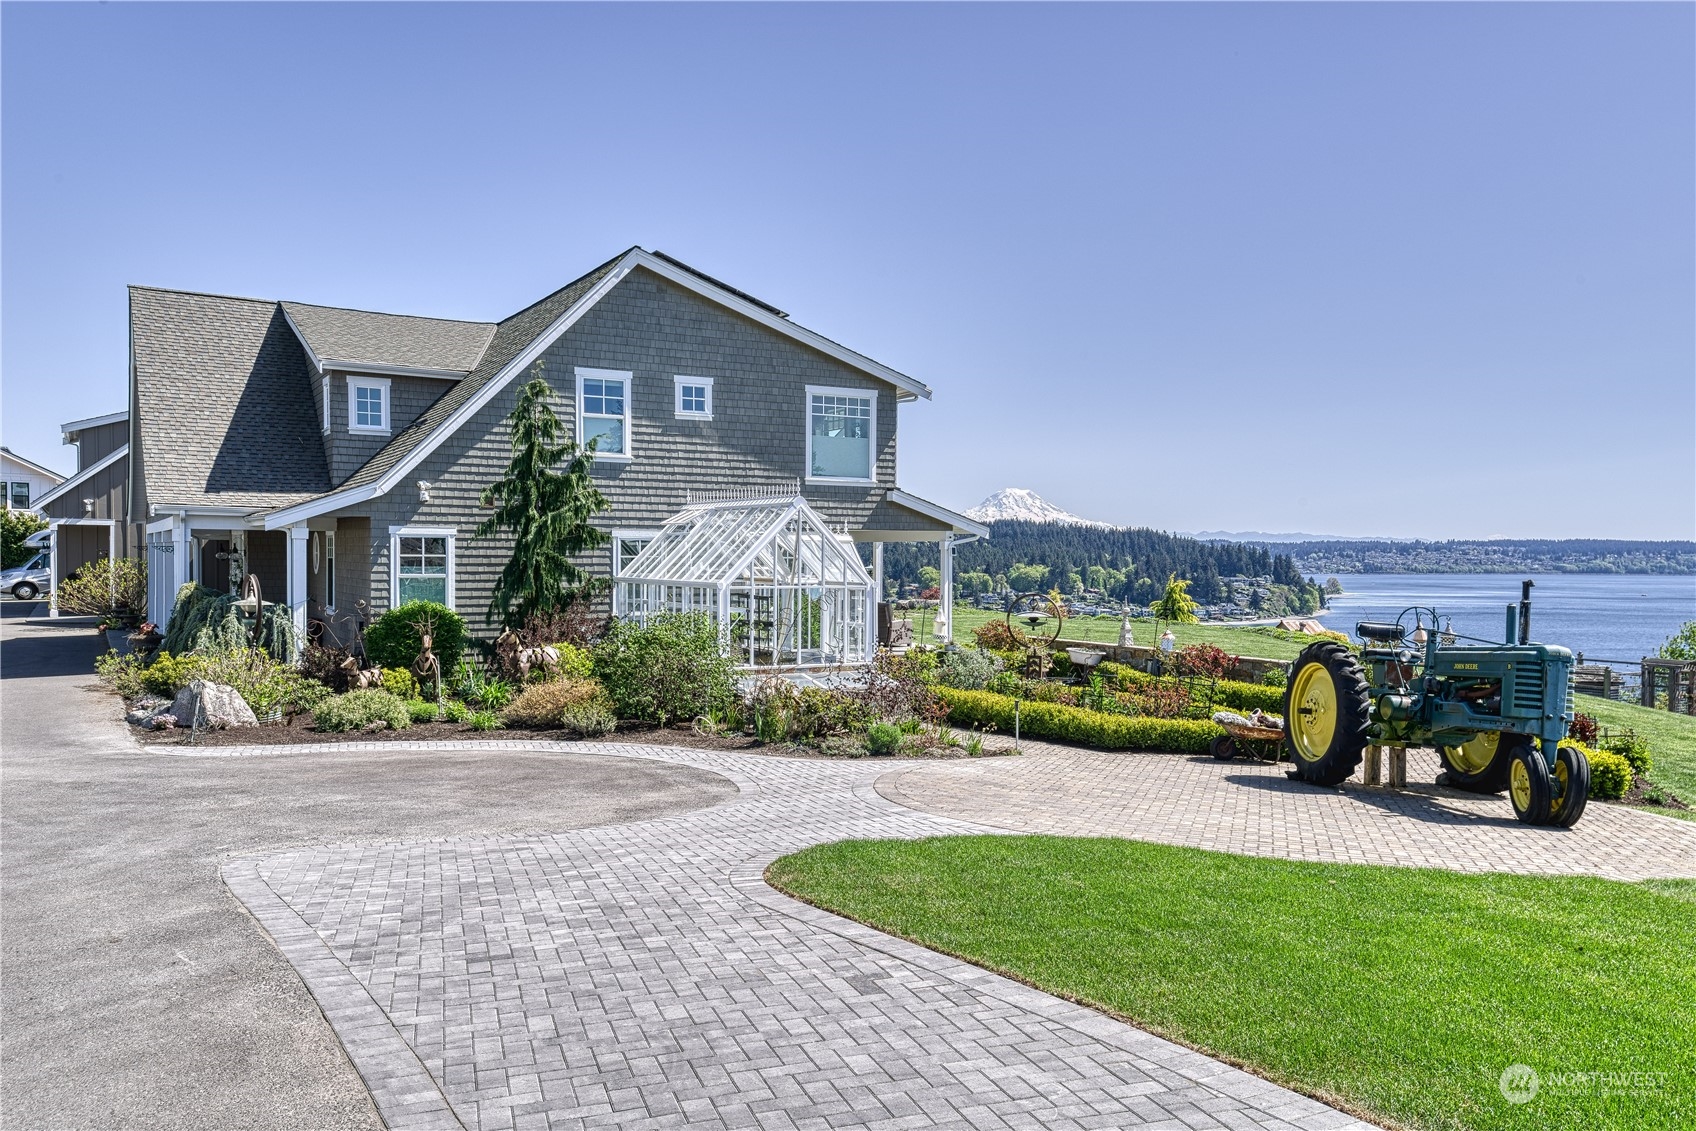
[547, 508]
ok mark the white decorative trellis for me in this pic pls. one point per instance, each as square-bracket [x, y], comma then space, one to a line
[784, 590]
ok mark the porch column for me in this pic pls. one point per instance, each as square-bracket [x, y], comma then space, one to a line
[53, 568]
[182, 565]
[945, 609]
[298, 535]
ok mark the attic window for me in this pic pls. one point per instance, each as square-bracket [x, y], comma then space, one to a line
[368, 404]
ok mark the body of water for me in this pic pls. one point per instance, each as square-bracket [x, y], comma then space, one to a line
[1607, 616]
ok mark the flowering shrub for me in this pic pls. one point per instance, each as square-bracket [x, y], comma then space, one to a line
[998, 636]
[1202, 660]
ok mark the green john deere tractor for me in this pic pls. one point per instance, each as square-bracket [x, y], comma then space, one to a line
[1495, 712]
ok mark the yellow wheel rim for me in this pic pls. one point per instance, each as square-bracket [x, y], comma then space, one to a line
[1313, 720]
[1475, 756]
[1519, 785]
[1559, 802]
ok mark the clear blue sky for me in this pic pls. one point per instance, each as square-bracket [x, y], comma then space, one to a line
[1415, 270]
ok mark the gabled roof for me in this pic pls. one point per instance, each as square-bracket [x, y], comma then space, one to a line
[773, 541]
[122, 451]
[72, 427]
[225, 411]
[509, 338]
[520, 339]
[32, 465]
[362, 339]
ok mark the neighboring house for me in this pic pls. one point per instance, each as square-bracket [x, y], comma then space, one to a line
[88, 514]
[24, 481]
[340, 455]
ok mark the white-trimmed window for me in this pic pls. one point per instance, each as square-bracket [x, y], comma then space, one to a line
[841, 434]
[603, 411]
[420, 565]
[368, 404]
[694, 398]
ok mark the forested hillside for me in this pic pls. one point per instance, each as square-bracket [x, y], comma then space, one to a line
[1574, 555]
[1127, 564]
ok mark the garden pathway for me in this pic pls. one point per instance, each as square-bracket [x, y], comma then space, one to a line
[643, 975]
[1252, 808]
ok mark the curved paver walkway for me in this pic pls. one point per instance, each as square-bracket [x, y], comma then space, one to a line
[1251, 807]
[644, 975]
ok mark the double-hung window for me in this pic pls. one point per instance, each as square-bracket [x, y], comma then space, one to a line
[603, 411]
[368, 404]
[841, 434]
[19, 497]
[694, 398]
[422, 565]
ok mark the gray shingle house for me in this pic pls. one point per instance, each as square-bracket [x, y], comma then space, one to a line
[340, 455]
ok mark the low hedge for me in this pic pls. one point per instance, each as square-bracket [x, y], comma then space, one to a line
[1236, 695]
[1610, 773]
[983, 709]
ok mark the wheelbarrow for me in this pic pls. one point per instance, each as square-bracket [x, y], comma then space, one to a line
[1263, 744]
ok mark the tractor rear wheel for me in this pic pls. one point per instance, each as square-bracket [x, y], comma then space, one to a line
[1480, 764]
[1326, 711]
[1572, 787]
[1530, 787]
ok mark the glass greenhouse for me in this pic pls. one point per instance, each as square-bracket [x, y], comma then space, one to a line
[784, 589]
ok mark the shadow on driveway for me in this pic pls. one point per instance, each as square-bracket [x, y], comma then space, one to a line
[70, 649]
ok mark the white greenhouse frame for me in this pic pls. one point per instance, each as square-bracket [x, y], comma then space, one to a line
[782, 587]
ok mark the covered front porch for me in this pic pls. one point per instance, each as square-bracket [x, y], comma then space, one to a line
[317, 568]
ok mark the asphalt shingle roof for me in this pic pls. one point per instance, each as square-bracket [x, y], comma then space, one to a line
[224, 402]
[510, 337]
[369, 338]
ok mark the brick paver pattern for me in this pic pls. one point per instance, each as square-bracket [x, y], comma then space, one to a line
[1250, 807]
[644, 976]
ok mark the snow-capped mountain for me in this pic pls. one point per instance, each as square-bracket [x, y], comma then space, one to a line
[1016, 504]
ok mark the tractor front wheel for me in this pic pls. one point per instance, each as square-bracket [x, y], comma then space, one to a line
[1572, 787]
[1480, 765]
[1326, 712]
[1530, 786]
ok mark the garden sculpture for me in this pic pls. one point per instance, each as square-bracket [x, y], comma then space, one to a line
[427, 669]
[1495, 712]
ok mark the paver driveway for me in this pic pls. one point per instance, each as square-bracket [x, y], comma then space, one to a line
[1250, 807]
[644, 975]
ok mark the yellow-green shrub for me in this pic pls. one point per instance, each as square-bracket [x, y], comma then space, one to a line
[545, 704]
[400, 683]
[1610, 773]
[985, 709]
[574, 662]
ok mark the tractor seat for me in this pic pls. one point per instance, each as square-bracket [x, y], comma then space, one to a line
[1386, 633]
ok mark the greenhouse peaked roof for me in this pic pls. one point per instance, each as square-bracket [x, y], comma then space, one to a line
[772, 541]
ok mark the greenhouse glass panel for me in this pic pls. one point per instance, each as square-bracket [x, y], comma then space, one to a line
[783, 588]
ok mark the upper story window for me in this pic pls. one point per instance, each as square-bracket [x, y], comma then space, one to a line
[19, 498]
[841, 434]
[603, 411]
[368, 404]
[695, 398]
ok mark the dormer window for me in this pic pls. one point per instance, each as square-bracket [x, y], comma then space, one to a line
[368, 404]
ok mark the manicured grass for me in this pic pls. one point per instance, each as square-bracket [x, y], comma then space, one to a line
[1266, 642]
[1671, 738]
[1404, 992]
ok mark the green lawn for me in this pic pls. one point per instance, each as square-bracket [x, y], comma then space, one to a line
[1672, 740]
[1404, 992]
[1268, 643]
